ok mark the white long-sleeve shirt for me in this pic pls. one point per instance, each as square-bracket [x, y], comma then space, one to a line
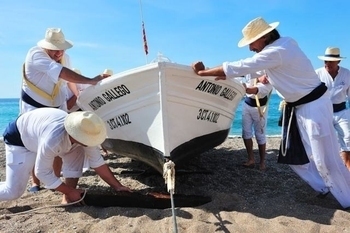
[42, 132]
[287, 67]
[339, 87]
[43, 72]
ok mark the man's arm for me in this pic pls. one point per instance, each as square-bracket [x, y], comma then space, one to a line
[71, 76]
[106, 174]
[199, 69]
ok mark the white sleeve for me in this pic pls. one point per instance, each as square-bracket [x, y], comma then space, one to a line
[94, 156]
[44, 166]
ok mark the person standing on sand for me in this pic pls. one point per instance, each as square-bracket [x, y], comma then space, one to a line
[337, 79]
[38, 136]
[254, 116]
[45, 72]
[291, 73]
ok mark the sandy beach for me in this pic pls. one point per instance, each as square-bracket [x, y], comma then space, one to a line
[243, 200]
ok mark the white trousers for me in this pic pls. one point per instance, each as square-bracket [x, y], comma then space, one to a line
[253, 124]
[20, 162]
[326, 170]
[341, 122]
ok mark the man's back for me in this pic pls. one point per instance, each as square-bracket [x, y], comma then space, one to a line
[41, 125]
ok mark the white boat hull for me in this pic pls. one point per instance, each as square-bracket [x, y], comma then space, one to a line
[163, 111]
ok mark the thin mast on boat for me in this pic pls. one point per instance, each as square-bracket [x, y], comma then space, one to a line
[168, 169]
[145, 46]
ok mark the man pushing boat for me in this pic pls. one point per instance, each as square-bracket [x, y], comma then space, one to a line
[35, 138]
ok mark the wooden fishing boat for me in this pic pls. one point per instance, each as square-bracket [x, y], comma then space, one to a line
[163, 111]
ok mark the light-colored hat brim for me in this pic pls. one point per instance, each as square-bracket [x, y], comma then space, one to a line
[243, 42]
[327, 58]
[47, 45]
[73, 127]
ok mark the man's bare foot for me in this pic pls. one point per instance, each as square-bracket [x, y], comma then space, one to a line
[249, 164]
[262, 167]
[64, 200]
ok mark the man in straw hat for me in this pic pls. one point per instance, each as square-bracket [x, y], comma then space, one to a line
[45, 72]
[46, 65]
[38, 136]
[337, 79]
[293, 76]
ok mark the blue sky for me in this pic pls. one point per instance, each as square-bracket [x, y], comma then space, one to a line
[107, 33]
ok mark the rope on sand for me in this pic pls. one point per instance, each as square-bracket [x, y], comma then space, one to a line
[44, 207]
[169, 177]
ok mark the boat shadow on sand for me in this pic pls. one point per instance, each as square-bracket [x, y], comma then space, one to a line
[216, 181]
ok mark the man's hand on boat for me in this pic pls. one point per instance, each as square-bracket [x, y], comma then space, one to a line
[99, 78]
[72, 76]
[199, 68]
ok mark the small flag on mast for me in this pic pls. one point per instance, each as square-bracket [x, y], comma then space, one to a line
[145, 46]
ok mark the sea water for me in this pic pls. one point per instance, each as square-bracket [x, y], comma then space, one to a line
[273, 115]
[9, 109]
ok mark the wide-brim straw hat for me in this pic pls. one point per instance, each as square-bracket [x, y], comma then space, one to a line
[86, 127]
[108, 72]
[331, 54]
[254, 30]
[54, 40]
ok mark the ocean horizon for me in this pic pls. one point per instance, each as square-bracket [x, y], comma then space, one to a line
[9, 110]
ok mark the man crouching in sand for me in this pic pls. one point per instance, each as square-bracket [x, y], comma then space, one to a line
[35, 138]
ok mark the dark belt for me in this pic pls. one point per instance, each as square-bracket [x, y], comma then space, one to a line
[11, 135]
[313, 95]
[296, 153]
[252, 102]
[339, 107]
[29, 100]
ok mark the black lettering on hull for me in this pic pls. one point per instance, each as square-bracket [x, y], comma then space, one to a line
[115, 93]
[214, 89]
[228, 93]
[207, 115]
[209, 87]
[119, 121]
[96, 103]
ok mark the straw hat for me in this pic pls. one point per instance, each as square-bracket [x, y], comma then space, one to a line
[108, 72]
[54, 40]
[331, 54]
[86, 127]
[254, 30]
